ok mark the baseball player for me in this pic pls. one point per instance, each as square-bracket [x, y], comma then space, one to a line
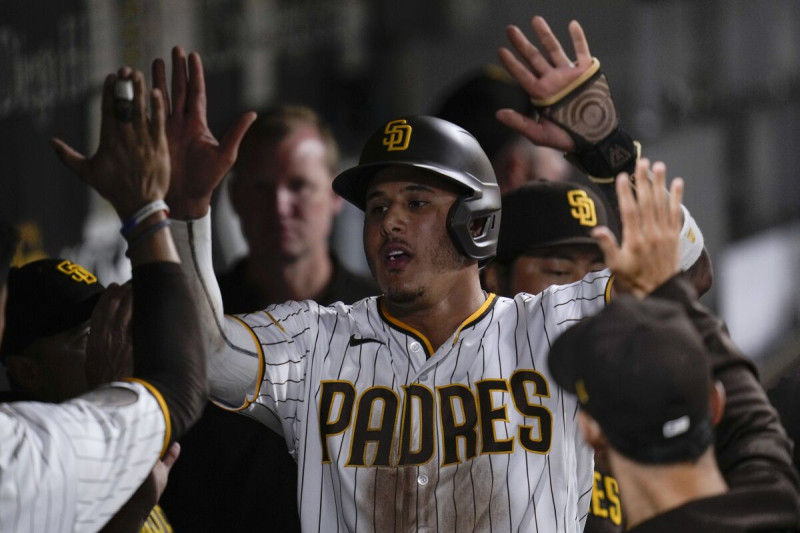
[653, 376]
[429, 407]
[70, 466]
[62, 339]
[547, 239]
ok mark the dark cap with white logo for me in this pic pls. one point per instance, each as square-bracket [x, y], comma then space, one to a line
[641, 370]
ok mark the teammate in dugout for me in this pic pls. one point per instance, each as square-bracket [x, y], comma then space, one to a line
[429, 407]
[546, 239]
[65, 335]
[652, 378]
[71, 466]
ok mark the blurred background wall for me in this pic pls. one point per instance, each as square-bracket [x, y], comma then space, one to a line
[711, 87]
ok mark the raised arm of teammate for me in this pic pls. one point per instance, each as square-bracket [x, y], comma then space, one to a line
[131, 169]
[575, 112]
[577, 115]
[91, 453]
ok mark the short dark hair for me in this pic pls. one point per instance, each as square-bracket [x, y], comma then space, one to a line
[277, 122]
[8, 245]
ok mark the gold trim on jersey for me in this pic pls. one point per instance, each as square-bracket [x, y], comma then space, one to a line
[274, 321]
[452, 429]
[609, 286]
[156, 522]
[404, 328]
[164, 410]
[426, 446]
[477, 315]
[535, 411]
[260, 351]
[398, 324]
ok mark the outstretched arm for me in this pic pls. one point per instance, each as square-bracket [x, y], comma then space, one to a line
[575, 111]
[576, 114]
[131, 170]
[751, 445]
[542, 79]
[198, 164]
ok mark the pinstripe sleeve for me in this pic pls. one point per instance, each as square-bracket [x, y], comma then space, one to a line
[284, 335]
[71, 466]
[233, 354]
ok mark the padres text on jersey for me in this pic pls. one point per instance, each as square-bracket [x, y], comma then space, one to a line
[392, 435]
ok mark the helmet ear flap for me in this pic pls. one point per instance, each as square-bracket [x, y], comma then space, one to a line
[441, 147]
[465, 212]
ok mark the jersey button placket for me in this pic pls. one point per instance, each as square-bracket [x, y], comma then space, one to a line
[416, 352]
[426, 514]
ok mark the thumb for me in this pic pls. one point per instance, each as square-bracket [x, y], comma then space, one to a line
[72, 159]
[233, 136]
[171, 455]
[607, 242]
[513, 119]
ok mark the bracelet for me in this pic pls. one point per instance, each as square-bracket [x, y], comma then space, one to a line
[150, 230]
[137, 218]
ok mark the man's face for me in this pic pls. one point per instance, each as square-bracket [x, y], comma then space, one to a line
[283, 194]
[61, 363]
[557, 265]
[405, 237]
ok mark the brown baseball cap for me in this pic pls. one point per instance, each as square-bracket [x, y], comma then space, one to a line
[47, 297]
[640, 369]
[547, 213]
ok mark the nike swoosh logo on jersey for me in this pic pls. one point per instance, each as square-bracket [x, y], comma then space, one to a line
[363, 340]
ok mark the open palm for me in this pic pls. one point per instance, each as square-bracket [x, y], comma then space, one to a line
[198, 160]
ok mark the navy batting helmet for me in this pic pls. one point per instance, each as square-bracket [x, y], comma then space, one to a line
[450, 151]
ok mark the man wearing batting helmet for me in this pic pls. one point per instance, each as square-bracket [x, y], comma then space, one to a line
[429, 407]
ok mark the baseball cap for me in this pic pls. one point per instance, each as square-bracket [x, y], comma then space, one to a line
[640, 369]
[47, 297]
[548, 213]
[473, 103]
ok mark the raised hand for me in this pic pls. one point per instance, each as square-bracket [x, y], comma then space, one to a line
[651, 225]
[199, 162]
[131, 165]
[544, 76]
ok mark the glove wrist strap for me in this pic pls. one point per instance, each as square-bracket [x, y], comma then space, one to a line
[586, 111]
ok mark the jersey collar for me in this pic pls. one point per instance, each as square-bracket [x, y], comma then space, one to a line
[402, 327]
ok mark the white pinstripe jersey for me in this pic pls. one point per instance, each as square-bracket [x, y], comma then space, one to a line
[392, 436]
[70, 466]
